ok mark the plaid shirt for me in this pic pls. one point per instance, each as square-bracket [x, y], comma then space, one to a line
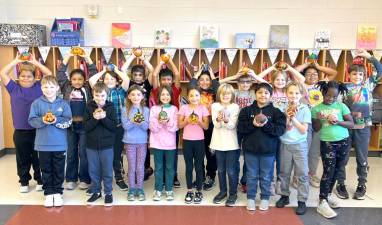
[117, 97]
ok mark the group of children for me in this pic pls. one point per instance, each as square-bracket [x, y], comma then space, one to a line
[282, 122]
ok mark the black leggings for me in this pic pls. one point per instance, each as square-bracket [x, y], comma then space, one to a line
[193, 152]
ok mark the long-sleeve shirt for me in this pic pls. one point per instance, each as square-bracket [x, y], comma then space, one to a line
[163, 136]
[135, 133]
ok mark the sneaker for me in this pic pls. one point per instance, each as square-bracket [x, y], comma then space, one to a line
[251, 205]
[301, 208]
[58, 201]
[108, 200]
[360, 192]
[24, 189]
[48, 201]
[218, 199]
[176, 182]
[70, 185]
[198, 197]
[208, 184]
[93, 198]
[314, 181]
[157, 195]
[122, 185]
[264, 205]
[169, 195]
[89, 192]
[341, 191]
[333, 202]
[294, 182]
[131, 195]
[231, 200]
[283, 201]
[244, 188]
[141, 195]
[39, 187]
[324, 209]
[277, 187]
[83, 186]
[189, 197]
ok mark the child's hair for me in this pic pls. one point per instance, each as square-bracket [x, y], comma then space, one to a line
[112, 74]
[77, 71]
[166, 72]
[27, 67]
[167, 88]
[194, 88]
[357, 68]
[265, 86]
[245, 77]
[129, 103]
[308, 68]
[225, 89]
[276, 73]
[325, 86]
[207, 74]
[138, 68]
[99, 87]
[296, 84]
[49, 80]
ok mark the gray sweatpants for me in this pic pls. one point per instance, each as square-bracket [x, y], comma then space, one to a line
[314, 150]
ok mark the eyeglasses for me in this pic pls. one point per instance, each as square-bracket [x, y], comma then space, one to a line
[245, 82]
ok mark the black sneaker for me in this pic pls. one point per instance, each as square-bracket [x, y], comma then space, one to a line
[341, 191]
[189, 197]
[122, 185]
[93, 198]
[360, 192]
[301, 208]
[282, 202]
[231, 201]
[218, 199]
[208, 184]
[176, 182]
[108, 200]
[148, 172]
[89, 192]
[198, 197]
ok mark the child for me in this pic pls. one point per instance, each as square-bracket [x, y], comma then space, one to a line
[22, 93]
[294, 148]
[224, 143]
[360, 100]
[163, 127]
[194, 119]
[333, 119]
[100, 122]
[261, 125]
[135, 122]
[77, 92]
[116, 95]
[51, 116]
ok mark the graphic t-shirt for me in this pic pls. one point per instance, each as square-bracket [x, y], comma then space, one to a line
[244, 98]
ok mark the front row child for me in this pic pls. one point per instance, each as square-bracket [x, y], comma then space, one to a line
[332, 119]
[261, 125]
[163, 127]
[194, 119]
[51, 116]
[100, 121]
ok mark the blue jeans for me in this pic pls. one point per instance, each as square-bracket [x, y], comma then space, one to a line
[76, 158]
[164, 164]
[101, 169]
[259, 168]
[227, 165]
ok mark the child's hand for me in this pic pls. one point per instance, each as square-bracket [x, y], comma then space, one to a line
[321, 116]
[33, 59]
[363, 53]
[49, 123]
[220, 117]
[333, 119]
[256, 124]
[17, 58]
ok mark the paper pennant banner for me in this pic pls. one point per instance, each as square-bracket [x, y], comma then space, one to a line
[170, 51]
[273, 54]
[23, 49]
[293, 53]
[126, 52]
[252, 53]
[377, 54]
[335, 53]
[107, 52]
[353, 52]
[210, 53]
[231, 53]
[44, 51]
[189, 52]
[148, 52]
[88, 50]
[314, 51]
[64, 51]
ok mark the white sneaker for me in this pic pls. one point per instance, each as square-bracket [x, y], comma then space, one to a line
[39, 187]
[264, 205]
[71, 185]
[251, 205]
[157, 195]
[58, 201]
[48, 201]
[24, 189]
[325, 210]
[83, 186]
[169, 195]
[333, 202]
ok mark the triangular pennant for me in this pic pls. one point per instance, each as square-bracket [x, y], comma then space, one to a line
[335, 53]
[88, 50]
[313, 51]
[189, 52]
[231, 53]
[22, 49]
[210, 53]
[65, 51]
[252, 53]
[293, 53]
[148, 52]
[353, 53]
[170, 51]
[273, 54]
[126, 52]
[107, 52]
[44, 51]
[377, 54]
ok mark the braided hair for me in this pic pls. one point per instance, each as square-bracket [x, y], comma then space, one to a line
[325, 85]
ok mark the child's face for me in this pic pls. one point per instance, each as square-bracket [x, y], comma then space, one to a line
[26, 79]
[138, 77]
[356, 77]
[77, 80]
[280, 81]
[50, 90]
[166, 81]
[311, 76]
[294, 94]
[226, 97]
[194, 97]
[110, 81]
[100, 97]
[135, 97]
[331, 96]
[165, 97]
[204, 81]
[263, 96]
[244, 84]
